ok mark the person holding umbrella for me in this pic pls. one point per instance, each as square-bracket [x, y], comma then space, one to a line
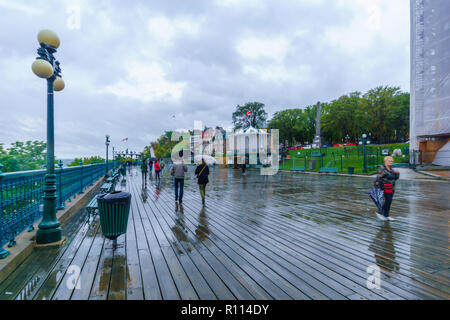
[150, 165]
[386, 177]
[202, 172]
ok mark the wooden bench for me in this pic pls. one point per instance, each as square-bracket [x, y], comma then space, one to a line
[92, 206]
[107, 187]
[298, 168]
[329, 169]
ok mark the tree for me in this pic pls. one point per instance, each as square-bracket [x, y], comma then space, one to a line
[291, 124]
[342, 118]
[379, 107]
[251, 114]
[21, 156]
[86, 161]
[162, 147]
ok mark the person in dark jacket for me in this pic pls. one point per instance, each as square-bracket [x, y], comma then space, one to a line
[177, 171]
[150, 165]
[144, 170]
[386, 177]
[202, 172]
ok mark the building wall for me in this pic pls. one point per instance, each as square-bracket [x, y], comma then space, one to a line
[430, 71]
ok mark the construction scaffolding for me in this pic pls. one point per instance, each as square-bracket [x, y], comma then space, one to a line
[430, 72]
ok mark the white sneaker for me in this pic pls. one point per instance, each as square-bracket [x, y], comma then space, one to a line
[390, 219]
[381, 217]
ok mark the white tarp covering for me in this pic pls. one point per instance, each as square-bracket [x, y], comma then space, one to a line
[430, 69]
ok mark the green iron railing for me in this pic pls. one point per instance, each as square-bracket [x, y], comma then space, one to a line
[21, 196]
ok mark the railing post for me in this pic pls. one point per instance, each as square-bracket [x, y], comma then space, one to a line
[61, 203]
[81, 176]
[3, 253]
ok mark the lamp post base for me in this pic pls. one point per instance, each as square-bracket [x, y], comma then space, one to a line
[56, 244]
[44, 236]
[3, 253]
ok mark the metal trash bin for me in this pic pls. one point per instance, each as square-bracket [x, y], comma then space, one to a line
[351, 170]
[312, 164]
[114, 209]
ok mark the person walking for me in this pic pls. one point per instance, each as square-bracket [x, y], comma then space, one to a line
[144, 170]
[150, 165]
[202, 172]
[162, 165]
[244, 166]
[157, 170]
[386, 177]
[177, 171]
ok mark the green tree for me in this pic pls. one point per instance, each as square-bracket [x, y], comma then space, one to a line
[251, 114]
[163, 146]
[86, 161]
[291, 124]
[342, 118]
[379, 107]
[21, 156]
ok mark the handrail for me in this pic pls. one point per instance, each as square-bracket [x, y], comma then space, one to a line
[21, 195]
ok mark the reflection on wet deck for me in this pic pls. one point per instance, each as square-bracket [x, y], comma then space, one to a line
[288, 236]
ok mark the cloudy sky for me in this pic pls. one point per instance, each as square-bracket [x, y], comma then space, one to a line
[129, 66]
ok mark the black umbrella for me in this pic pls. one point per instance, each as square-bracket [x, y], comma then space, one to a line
[377, 195]
[152, 159]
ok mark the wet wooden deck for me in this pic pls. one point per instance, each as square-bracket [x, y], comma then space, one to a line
[288, 236]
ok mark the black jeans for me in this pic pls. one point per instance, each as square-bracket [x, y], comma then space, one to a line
[387, 203]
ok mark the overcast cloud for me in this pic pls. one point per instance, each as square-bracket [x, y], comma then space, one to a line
[129, 66]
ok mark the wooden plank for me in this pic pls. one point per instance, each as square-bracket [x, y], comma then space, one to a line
[184, 285]
[100, 286]
[87, 274]
[118, 273]
[70, 279]
[224, 277]
[166, 282]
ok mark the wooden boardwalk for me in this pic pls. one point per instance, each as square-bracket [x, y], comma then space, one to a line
[288, 236]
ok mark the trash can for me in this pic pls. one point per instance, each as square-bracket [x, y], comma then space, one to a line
[114, 209]
[312, 164]
[351, 170]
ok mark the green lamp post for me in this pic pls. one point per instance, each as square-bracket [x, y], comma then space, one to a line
[46, 66]
[107, 145]
[364, 141]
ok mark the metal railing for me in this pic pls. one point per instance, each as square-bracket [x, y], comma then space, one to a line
[21, 195]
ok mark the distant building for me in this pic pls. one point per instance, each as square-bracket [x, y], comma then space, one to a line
[430, 81]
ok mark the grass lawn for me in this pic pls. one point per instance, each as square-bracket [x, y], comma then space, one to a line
[344, 157]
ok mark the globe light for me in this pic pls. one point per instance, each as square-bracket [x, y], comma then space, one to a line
[360, 142]
[48, 37]
[58, 84]
[364, 135]
[368, 142]
[42, 68]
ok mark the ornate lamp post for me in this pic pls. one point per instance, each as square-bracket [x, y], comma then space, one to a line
[107, 144]
[364, 141]
[46, 66]
[114, 160]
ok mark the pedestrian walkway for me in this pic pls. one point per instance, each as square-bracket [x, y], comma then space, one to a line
[286, 236]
